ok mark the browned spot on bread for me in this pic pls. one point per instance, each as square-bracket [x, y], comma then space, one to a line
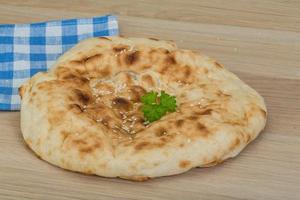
[219, 65]
[205, 70]
[75, 62]
[62, 71]
[207, 112]
[72, 76]
[93, 59]
[204, 112]
[236, 122]
[164, 69]
[146, 66]
[120, 48]
[160, 144]
[165, 51]
[136, 92]
[200, 126]
[179, 123]
[148, 79]
[82, 96]
[160, 131]
[193, 117]
[69, 76]
[132, 58]
[64, 135]
[184, 163]
[235, 144]
[56, 118]
[48, 85]
[121, 104]
[71, 98]
[248, 138]
[83, 79]
[104, 38]
[155, 39]
[75, 66]
[105, 121]
[140, 120]
[89, 149]
[79, 142]
[141, 145]
[163, 139]
[85, 142]
[77, 108]
[202, 85]
[202, 129]
[170, 60]
[222, 94]
[21, 91]
[153, 51]
[136, 178]
[105, 72]
[187, 71]
[181, 145]
[98, 111]
[71, 70]
[41, 86]
[128, 79]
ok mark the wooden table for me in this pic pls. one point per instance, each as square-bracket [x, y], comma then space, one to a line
[258, 40]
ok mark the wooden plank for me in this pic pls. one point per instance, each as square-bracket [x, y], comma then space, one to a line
[267, 14]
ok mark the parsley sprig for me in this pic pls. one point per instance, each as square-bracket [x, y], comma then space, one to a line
[156, 106]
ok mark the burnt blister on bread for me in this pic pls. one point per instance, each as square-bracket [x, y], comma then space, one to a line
[121, 104]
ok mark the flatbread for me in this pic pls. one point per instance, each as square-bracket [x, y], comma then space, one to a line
[84, 114]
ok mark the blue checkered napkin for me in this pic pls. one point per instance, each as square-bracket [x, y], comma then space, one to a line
[26, 49]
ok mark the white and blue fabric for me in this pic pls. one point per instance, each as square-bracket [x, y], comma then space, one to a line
[26, 49]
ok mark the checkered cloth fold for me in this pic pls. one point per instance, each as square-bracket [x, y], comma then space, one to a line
[26, 49]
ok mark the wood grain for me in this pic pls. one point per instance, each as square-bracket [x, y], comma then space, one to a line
[258, 40]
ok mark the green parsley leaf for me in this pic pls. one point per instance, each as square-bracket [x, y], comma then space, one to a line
[155, 107]
[153, 112]
[149, 98]
[168, 102]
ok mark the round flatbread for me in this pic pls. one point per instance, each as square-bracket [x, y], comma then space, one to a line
[85, 113]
